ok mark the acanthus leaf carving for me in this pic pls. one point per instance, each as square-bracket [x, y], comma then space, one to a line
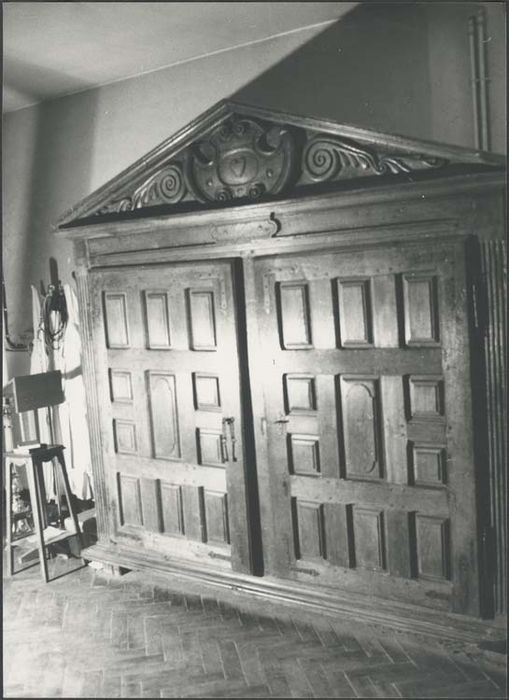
[116, 206]
[327, 157]
[166, 186]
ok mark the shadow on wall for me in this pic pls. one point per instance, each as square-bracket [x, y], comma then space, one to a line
[57, 175]
[369, 69]
[401, 68]
[37, 83]
[60, 177]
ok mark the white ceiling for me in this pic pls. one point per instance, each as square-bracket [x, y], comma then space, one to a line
[51, 49]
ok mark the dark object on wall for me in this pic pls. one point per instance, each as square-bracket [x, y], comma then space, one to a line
[54, 316]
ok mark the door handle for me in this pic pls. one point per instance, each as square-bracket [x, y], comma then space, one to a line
[281, 422]
[224, 447]
[230, 422]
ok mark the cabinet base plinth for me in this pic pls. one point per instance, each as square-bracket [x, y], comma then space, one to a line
[363, 609]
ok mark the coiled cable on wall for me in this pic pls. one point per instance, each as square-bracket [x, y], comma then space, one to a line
[54, 316]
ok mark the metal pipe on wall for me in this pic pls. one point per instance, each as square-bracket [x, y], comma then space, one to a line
[472, 31]
[479, 79]
[483, 80]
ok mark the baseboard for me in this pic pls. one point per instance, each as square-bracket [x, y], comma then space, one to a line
[367, 609]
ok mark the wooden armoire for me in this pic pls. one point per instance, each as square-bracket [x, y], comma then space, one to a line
[293, 353]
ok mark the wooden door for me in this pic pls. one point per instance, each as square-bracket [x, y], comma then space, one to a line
[368, 422]
[171, 419]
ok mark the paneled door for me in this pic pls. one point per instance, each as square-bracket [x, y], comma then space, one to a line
[168, 374]
[368, 422]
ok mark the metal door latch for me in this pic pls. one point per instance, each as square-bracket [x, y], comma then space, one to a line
[281, 422]
[230, 422]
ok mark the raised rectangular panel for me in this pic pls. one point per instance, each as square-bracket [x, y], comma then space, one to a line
[202, 319]
[421, 309]
[115, 318]
[130, 500]
[121, 386]
[426, 397]
[164, 415]
[304, 455]
[207, 396]
[428, 465]
[300, 393]
[209, 447]
[309, 530]
[124, 432]
[194, 513]
[369, 538]
[294, 311]
[158, 319]
[361, 427]
[216, 513]
[355, 319]
[172, 509]
[433, 547]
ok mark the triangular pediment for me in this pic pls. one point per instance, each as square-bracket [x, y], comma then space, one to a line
[237, 153]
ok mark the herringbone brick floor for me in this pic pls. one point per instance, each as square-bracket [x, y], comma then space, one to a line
[89, 635]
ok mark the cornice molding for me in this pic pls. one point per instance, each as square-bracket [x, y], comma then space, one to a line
[269, 211]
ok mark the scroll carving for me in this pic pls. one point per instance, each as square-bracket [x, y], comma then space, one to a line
[167, 186]
[327, 157]
[246, 158]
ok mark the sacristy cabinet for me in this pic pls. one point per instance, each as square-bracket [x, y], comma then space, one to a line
[290, 338]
